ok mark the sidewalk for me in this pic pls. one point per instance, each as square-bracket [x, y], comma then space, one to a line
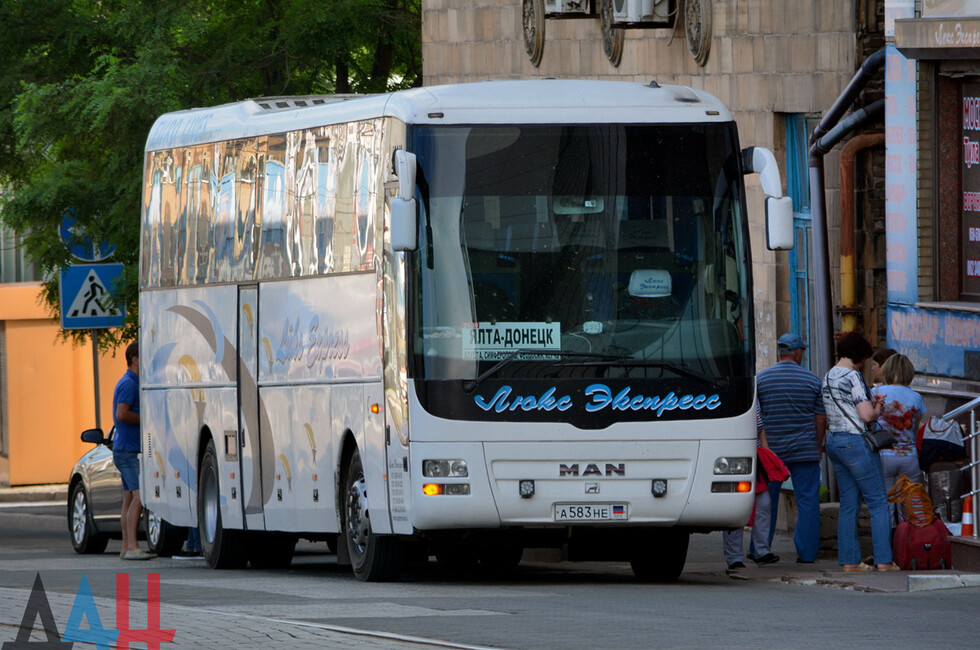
[827, 573]
[704, 557]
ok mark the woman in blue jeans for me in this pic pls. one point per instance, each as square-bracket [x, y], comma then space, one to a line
[849, 406]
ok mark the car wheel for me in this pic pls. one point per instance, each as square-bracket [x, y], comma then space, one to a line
[374, 558]
[223, 549]
[162, 538]
[84, 538]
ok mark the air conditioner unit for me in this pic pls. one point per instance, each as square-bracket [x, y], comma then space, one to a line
[660, 12]
[565, 7]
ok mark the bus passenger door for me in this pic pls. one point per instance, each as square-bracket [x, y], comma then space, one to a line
[248, 438]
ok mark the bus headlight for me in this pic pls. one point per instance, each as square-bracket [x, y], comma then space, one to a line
[444, 468]
[733, 465]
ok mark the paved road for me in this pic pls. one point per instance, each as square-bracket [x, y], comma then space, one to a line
[316, 604]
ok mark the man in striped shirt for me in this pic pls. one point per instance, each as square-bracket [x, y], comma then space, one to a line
[793, 415]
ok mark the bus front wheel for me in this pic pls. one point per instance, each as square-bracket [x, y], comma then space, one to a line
[659, 556]
[374, 558]
[222, 548]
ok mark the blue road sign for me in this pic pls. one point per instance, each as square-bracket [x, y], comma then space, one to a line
[86, 296]
[79, 244]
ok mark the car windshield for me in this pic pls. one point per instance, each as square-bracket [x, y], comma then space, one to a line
[560, 249]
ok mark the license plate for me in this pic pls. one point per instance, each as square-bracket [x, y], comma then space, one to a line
[591, 512]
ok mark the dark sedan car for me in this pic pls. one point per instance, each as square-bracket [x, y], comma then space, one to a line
[95, 501]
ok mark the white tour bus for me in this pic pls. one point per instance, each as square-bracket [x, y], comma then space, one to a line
[460, 321]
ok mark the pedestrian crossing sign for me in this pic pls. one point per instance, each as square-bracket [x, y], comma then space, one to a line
[87, 292]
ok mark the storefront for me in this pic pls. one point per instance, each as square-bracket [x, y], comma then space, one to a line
[932, 90]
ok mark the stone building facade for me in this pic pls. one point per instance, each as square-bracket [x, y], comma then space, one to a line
[777, 64]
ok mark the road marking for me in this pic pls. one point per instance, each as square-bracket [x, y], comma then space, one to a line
[33, 504]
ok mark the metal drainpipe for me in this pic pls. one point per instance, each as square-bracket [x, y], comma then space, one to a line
[822, 357]
[847, 209]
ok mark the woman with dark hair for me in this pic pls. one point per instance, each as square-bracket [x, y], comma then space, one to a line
[878, 360]
[850, 407]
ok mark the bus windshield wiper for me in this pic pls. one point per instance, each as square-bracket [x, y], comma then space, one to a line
[630, 362]
[471, 385]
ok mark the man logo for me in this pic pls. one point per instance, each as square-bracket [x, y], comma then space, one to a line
[592, 469]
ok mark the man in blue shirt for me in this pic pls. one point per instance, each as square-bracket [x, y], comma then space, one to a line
[793, 414]
[125, 452]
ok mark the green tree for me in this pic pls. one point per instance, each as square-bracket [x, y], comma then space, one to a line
[81, 82]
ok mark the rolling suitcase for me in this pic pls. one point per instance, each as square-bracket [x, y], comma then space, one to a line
[916, 548]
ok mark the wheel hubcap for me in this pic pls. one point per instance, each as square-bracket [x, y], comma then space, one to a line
[210, 505]
[79, 517]
[358, 524]
[152, 528]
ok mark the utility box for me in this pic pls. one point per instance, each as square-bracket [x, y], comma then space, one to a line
[655, 13]
[567, 8]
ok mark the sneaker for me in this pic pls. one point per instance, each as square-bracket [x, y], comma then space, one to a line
[768, 558]
[138, 555]
[736, 565]
[186, 554]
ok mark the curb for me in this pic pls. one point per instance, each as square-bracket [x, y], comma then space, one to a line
[35, 493]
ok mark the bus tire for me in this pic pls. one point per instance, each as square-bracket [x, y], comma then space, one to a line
[374, 558]
[660, 556]
[271, 550]
[222, 548]
[162, 538]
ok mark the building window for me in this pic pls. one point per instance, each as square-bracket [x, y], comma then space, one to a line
[14, 266]
[798, 129]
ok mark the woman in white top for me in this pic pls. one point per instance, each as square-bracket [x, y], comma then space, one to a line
[850, 407]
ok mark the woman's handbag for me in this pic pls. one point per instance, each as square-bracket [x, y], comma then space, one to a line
[913, 501]
[878, 438]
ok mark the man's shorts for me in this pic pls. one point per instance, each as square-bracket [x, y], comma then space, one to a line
[128, 464]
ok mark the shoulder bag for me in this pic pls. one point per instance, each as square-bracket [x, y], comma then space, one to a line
[876, 438]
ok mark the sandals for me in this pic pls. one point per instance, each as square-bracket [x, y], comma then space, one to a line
[864, 567]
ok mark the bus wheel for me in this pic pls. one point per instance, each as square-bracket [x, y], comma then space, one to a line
[271, 550]
[374, 558]
[223, 549]
[660, 556]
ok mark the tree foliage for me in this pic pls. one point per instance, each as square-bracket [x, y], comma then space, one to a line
[81, 82]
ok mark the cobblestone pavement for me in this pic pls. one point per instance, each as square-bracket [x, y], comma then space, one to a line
[192, 627]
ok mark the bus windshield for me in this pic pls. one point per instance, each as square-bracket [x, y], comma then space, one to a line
[598, 250]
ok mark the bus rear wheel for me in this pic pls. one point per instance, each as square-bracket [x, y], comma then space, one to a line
[374, 558]
[659, 556]
[222, 548]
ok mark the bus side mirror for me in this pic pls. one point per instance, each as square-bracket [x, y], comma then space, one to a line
[404, 219]
[404, 228]
[405, 170]
[779, 223]
[779, 208]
